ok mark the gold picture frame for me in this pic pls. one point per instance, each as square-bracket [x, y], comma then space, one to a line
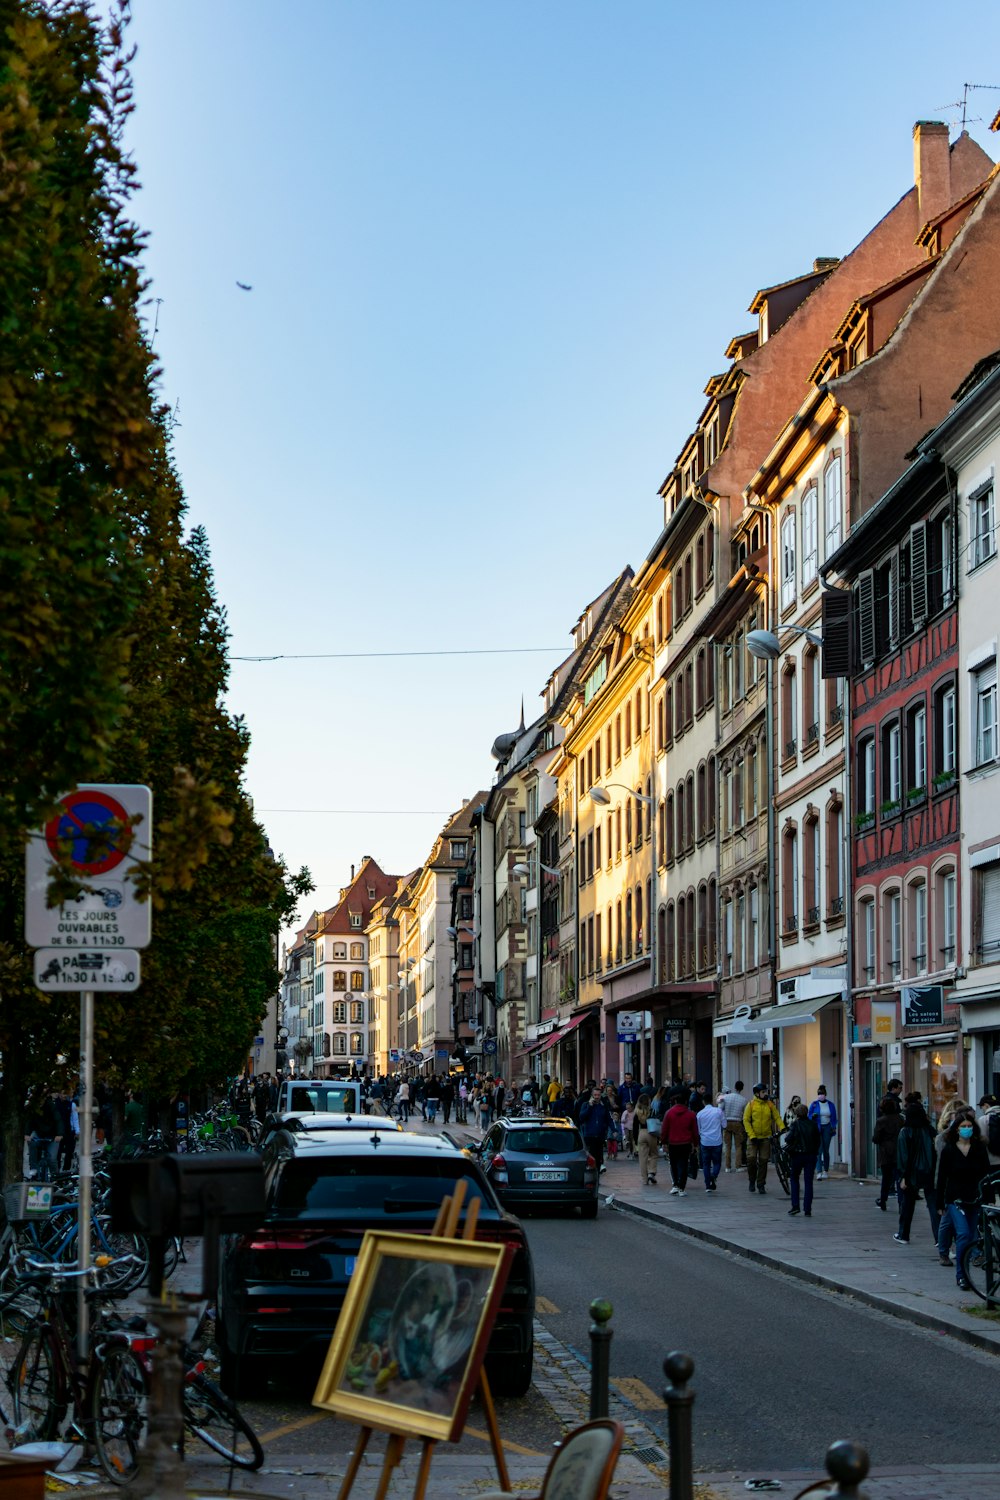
[406, 1352]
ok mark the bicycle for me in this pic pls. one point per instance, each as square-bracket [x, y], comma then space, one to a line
[782, 1163]
[105, 1398]
[208, 1413]
[981, 1262]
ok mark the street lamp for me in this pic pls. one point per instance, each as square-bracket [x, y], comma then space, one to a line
[522, 871]
[765, 646]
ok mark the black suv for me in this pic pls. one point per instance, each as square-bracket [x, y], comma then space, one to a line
[281, 1287]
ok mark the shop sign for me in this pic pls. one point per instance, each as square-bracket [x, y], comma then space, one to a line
[923, 1006]
[883, 1027]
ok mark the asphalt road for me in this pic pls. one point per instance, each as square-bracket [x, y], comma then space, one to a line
[780, 1370]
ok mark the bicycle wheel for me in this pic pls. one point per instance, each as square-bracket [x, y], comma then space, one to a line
[130, 1250]
[118, 1412]
[781, 1168]
[219, 1423]
[37, 1388]
[974, 1266]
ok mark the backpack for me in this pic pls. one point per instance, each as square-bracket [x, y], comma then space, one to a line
[993, 1132]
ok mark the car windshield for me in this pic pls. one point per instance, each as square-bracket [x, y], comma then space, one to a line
[371, 1184]
[319, 1099]
[545, 1141]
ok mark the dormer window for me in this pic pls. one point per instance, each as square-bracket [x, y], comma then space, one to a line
[459, 848]
[355, 919]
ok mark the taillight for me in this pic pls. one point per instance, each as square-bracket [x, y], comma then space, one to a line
[142, 1346]
[498, 1166]
[591, 1164]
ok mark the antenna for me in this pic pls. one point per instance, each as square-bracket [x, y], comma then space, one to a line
[963, 103]
[156, 320]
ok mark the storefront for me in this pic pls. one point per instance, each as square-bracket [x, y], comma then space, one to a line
[933, 1065]
[980, 1020]
[739, 1043]
[810, 1050]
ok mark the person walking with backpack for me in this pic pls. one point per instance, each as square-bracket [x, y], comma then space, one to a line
[915, 1158]
[802, 1145]
[964, 1163]
[761, 1121]
[884, 1138]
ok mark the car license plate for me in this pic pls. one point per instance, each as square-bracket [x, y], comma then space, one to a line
[545, 1176]
[350, 1261]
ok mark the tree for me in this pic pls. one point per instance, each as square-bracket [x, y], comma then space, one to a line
[112, 646]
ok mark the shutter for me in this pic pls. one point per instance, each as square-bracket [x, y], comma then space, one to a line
[989, 938]
[837, 633]
[894, 599]
[866, 616]
[918, 572]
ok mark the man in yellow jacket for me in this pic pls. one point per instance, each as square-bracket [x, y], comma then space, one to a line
[760, 1121]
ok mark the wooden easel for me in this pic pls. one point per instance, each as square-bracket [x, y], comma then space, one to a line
[445, 1227]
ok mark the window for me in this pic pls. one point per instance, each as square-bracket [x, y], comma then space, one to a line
[357, 1012]
[982, 541]
[339, 1044]
[810, 871]
[944, 718]
[986, 913]
[753, 930]
[810, 537]
[357, 1043]
[339, 1009]
[984, 713]
[788, 560]
[833, 505]
[740, 931]
[894, 933]
[916, 751]
[357, 950]
[727, 937]
[790, 878]
[318, 982]
[459, 848]
[891, 767]
[357, 980]
[918, 926]
[750, 787]
[866, 911]
[789, 713]
[947, 914]
[810, 698]
[339, 979]
[355, 919]
[834, 861]
[340, 950]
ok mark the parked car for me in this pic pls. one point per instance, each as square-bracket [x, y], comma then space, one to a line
[536, 1161]
[316, 1124]
[282, 1286]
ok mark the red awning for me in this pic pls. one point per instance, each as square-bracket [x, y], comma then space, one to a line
[560, 1035]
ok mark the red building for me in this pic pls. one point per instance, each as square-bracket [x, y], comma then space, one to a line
[900, 564]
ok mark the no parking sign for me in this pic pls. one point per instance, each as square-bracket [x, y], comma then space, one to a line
[106, 830]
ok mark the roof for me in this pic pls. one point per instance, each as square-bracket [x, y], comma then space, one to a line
[355, 900]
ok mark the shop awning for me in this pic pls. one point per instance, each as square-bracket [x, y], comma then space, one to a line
[938, 1039]
[560, 1035]
[795, 1014]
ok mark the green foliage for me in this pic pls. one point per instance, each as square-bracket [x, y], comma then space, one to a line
[112, 645]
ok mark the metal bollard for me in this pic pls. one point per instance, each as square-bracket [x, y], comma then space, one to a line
[678, 1369]
[600, 1357]
[847, 1464]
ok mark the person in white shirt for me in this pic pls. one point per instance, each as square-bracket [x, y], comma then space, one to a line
[711, 1119]
[733, 1105]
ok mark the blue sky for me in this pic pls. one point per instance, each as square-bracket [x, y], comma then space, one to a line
[496, 250]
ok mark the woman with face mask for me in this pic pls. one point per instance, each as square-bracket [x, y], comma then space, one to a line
[963, 1164]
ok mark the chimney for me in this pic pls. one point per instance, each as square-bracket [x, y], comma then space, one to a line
[931, 169]
[352, 872]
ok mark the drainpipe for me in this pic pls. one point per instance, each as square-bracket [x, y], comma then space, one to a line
[849, 912]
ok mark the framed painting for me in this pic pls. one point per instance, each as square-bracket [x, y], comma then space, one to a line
[409, 1343]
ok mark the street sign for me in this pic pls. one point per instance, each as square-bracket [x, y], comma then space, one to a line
[87, 969]
[96, 824]
[628, 1036]
[489, 1046]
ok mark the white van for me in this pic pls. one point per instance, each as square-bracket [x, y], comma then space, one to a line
[306, 1096]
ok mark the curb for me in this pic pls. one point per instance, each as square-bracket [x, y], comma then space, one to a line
[933, 1323]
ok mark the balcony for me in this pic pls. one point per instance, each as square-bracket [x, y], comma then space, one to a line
[791, 746]
[836, 907]
[792, 922]
[812, 916]
[812, 735]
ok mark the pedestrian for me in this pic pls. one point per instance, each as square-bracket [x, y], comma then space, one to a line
[802, 1145]
[403, 1100]
[989, 1126]
[824, 1112]
[894, 1090]
[485, 1108]
[629, 1091]
[915, 1159]
[614, 1135]
[432, 1098]
[679, 1134]
[711, 1120]
[734, 1104]
[627, 1116]
[949, 1110]
[462, 1101]
[646, 1137]
[564, 1108]
[964, 1163]
[447, 1099]
[527, 1098]
[499, 1097]
[761, 1121]
[790, 1115]
[697, 1100]
[70, 1121]
[595, 1122]
[553, 1093]
[885, 1136]
[44, 1135]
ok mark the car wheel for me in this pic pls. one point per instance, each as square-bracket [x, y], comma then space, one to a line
[588, 1210]
[510, 1374]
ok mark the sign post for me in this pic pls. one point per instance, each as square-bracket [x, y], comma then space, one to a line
[88, 942]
